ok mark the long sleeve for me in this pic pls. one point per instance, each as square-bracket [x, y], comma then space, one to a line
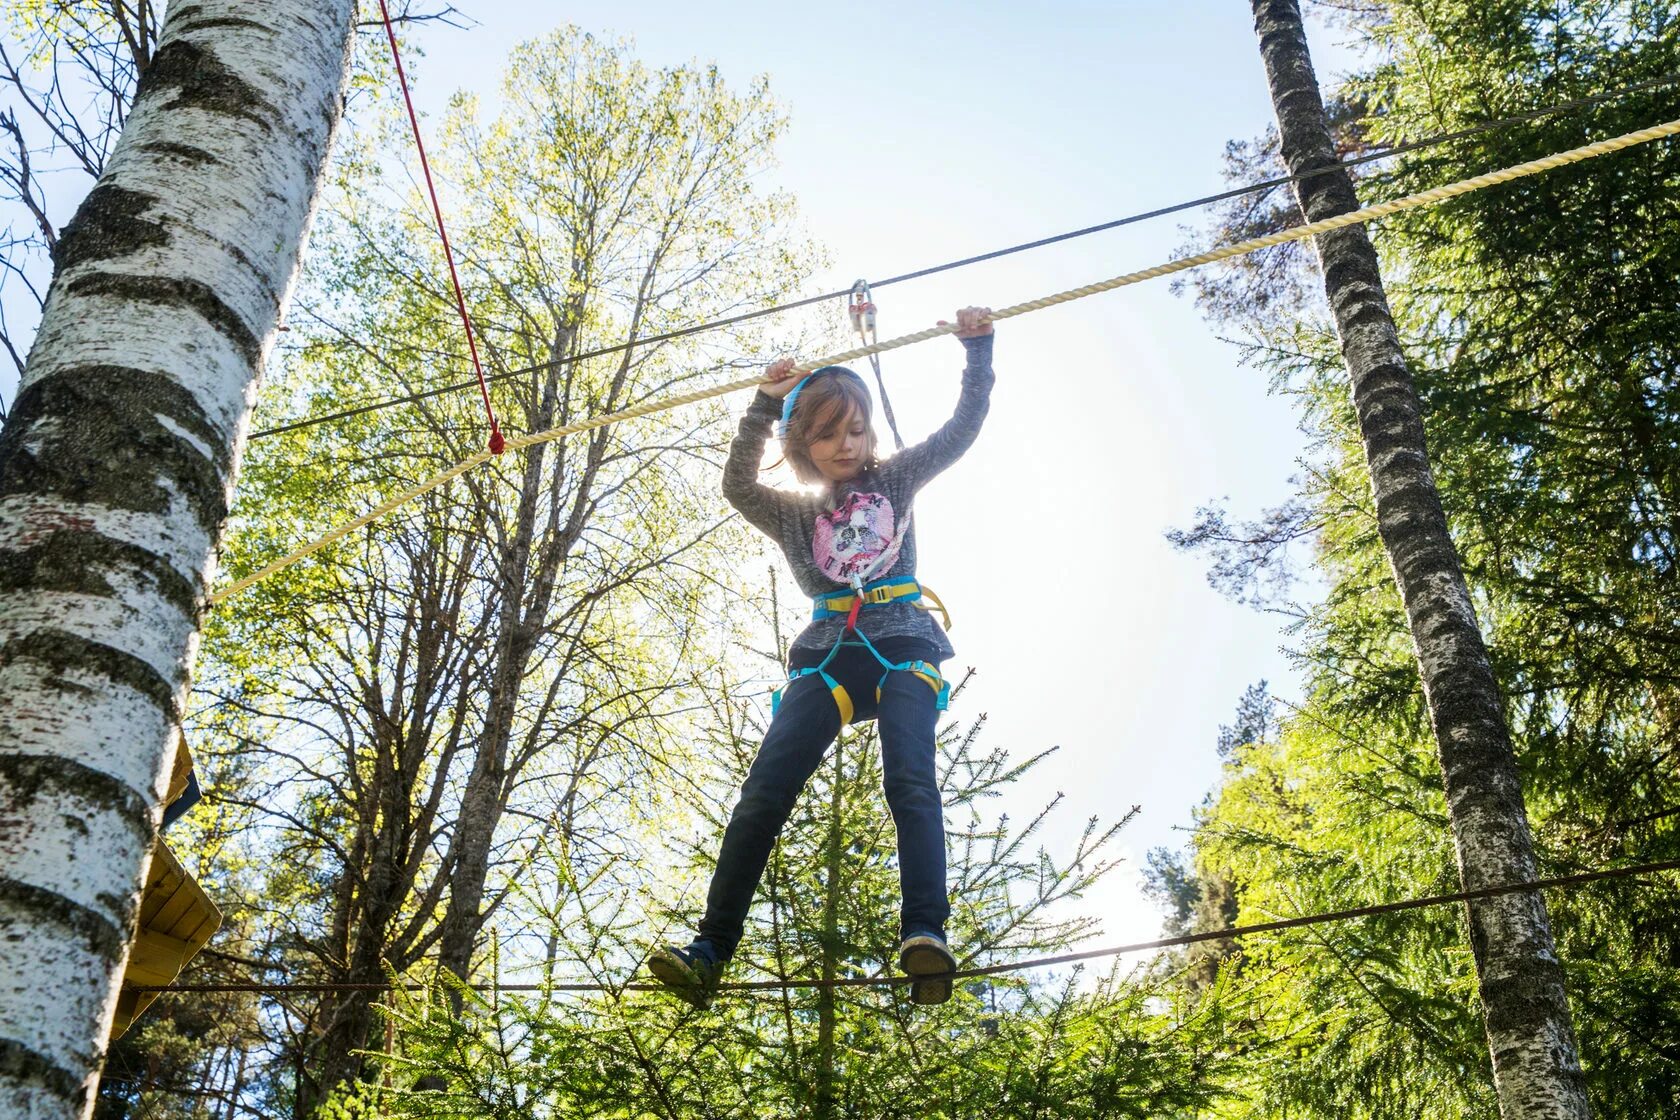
[758, 503]
[916, 465]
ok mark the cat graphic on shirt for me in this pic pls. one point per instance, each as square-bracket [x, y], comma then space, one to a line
[850, 540]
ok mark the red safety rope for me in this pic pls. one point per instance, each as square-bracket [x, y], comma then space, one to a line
[496, 440]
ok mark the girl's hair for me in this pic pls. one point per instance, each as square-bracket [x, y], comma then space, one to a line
[829, 399]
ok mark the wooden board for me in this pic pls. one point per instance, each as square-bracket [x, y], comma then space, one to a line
[177, 919]
[180, 773]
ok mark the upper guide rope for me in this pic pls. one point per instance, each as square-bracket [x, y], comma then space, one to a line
[1402, 148]
[1430, 197]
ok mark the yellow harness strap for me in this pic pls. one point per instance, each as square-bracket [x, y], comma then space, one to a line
[922, 605]
[841, 602]
[931, 681]
[843, 701]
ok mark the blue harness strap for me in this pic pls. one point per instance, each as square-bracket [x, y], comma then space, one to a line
[873, 594]
[842, 699]
[928, 673]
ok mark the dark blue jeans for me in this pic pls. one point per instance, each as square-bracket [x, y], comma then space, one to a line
[800, 734]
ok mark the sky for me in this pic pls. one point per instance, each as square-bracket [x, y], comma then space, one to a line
[926, 132]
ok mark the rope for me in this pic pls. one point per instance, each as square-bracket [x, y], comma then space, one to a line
[1430, 197]
[496, 439]
[932, 270]
[1229, 933]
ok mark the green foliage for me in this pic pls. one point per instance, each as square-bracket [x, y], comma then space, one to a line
[1011, 1045]
[605, 201]
[1540, 321]
[508, 661]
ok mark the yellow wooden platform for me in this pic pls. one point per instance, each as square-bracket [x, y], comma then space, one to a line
[177, 918]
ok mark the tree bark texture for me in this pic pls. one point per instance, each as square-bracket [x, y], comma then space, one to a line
[532, 558]
[116, 470]
[1536, 1066]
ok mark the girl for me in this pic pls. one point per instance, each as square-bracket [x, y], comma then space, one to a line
[868, 652]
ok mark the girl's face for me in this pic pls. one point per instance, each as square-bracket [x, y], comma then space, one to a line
[840, 448]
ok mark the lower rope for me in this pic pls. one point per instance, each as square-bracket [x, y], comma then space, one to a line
[1227, 934]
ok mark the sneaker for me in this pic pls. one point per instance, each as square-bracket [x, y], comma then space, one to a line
[691, 972]
[925, 954]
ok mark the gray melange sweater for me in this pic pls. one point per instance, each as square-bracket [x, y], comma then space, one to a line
[829, 536]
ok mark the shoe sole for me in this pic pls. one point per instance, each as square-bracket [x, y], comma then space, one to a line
[683, 981]
[927, 960]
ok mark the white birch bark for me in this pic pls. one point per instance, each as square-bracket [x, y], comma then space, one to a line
[1536, 1067]
[116, 471]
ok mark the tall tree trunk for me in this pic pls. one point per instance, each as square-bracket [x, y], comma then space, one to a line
[484, 800]
[116, 469]
[337, 1054]
[1536, 1067]
[532, 559]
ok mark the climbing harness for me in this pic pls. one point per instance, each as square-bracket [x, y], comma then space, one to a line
[876, 594]
[867, 593]
[849, 604]
[861, 307]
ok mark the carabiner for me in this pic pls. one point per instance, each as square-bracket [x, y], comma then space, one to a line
[862, 310]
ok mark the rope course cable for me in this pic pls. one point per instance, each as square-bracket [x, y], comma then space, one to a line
[496, 438]
[963, 262]
[1228, 933]
[1431, 197]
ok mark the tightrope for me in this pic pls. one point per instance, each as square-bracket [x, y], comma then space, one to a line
[1230, 933]
[1430, 197]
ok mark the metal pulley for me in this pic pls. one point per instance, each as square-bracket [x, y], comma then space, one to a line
[860, 306]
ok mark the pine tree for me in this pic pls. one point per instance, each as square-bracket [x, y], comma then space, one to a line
[1536, 1066]
[1010, 1045]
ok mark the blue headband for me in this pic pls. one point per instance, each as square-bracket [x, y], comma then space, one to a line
[787, 404]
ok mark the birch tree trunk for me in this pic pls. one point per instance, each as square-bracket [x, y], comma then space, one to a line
[116, 469]
[1536, 1067]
